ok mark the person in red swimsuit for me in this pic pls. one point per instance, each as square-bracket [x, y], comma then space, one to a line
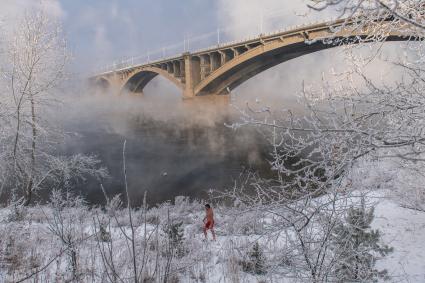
[209, 221]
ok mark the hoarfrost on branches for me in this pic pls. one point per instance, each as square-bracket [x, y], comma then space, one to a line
[33, 67]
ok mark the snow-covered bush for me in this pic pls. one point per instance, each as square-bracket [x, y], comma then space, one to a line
[17, 212]
[358, 246]
[254, 261]
[67, 222]
[175, 236]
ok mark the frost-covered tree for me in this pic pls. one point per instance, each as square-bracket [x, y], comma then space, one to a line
[358, 246]
[33, 67]
[255, 261]
[345, 120]
[66, 223]
[355, 116]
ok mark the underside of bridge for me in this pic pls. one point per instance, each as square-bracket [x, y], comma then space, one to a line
[249, 68]
[218, 71]
[240, 73]
[102, 83]
[137, 83]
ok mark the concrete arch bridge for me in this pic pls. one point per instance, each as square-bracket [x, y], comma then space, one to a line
[218, 70]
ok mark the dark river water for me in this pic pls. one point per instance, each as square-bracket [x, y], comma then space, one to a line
[166, 157]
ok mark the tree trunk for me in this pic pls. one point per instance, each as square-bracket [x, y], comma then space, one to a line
[29, 189]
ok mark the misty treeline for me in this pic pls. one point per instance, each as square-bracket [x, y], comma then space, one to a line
[311, 222]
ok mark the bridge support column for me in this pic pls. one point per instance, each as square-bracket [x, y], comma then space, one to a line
[215, 60]
[116, 83]
[205, 66]
[192, 66]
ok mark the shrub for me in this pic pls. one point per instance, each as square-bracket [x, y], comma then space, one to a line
[176, 236]
[359, 247]
[254, 262]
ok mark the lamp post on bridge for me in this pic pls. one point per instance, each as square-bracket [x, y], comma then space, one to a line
[186, 43]
[261, 21]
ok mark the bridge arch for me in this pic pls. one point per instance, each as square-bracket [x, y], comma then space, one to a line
[139, 78]
[245, 66]
[102, 83]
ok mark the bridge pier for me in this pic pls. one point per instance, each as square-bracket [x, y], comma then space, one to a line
[189, 84]
[192, 66]
[209, 100]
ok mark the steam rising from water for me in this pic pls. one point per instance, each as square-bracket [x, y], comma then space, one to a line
[177, 147]
[174, 147]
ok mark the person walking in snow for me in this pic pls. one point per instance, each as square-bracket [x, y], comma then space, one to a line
[209, 221]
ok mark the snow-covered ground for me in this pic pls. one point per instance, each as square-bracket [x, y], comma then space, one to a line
[29, 242]
[404, 230]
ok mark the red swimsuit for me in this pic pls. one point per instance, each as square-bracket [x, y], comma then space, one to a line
[209, 224]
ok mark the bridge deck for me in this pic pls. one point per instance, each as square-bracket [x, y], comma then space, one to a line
[235, 44]
[220, 68]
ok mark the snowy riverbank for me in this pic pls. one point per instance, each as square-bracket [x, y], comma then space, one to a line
[48, 242]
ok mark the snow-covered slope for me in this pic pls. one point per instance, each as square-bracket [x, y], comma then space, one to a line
[404, 230]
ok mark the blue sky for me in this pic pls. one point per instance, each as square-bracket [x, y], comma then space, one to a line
[101, 30]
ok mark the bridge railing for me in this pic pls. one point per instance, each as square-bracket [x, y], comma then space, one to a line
[222, 37]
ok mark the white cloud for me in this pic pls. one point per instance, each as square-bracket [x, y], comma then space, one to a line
[12, 10]
[103, 45]
[279, 85]
[250, 17]
[108, 24]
